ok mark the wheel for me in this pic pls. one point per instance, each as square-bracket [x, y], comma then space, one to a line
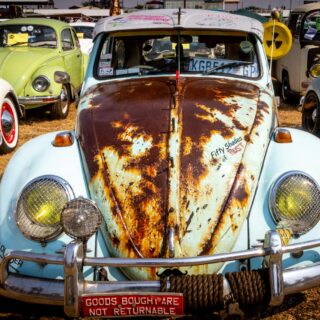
[60, 109]
[285, 88]
[311, 114]
[9, 126]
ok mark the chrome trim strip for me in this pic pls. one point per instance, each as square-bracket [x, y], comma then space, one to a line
[38, 100]
[173, 262]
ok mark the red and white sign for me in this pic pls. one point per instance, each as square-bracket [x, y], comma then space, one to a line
[133, 305]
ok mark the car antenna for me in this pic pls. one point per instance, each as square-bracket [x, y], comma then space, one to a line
[179, 46]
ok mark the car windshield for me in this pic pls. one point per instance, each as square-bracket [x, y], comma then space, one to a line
[191, 53]
[27, 35]
[84, 32]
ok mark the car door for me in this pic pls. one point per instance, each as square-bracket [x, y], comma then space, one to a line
[72, 57]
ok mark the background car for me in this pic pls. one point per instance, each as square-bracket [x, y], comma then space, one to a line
[42, 60]
[9, 113]
[292, 71]
[311, 104]
[84, 31]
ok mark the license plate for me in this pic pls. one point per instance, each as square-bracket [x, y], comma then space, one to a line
[131, 304]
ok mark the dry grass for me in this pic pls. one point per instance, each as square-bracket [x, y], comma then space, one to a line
[297, 307]
[36, 123]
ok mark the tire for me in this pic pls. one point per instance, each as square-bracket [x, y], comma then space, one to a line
[60, 109]
[9, 125]
[311, 114]
[285, 88]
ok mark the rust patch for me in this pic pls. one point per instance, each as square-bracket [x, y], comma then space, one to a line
[236, 196]
[261, 108]
[239, 125]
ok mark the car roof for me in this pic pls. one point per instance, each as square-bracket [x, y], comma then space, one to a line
[56, 24]
[168, 19]
[82, 24]
[307, 7]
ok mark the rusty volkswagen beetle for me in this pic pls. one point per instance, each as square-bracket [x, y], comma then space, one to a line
[176, 193]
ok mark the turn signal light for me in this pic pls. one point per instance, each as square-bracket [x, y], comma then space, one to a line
[282, 136]
[63, 139]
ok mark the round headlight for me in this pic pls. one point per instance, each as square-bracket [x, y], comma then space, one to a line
[40, 205]
[295, 202]
[315, 70]
[41, 83]
[80, 218]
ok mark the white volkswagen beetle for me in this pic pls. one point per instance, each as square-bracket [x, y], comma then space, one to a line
[9, 112]
[84, 30]
[176, 193]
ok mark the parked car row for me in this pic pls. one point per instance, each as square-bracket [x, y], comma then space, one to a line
[84, 32]
[177, 193]
[43, 62]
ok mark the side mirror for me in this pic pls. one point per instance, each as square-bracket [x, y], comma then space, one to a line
[315, 70]
[61, 77]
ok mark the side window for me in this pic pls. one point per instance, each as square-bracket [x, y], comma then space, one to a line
[76, 39]
[67, 42]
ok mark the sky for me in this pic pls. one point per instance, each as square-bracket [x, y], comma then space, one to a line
[61, 4]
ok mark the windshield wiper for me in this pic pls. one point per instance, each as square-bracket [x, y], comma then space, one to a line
[18, 43]
[230, 65]
[50, 45]
[145, 69]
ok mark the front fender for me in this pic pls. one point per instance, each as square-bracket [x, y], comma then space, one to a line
[302, 154]
[48, 71]
[36, 158]
[5, 90]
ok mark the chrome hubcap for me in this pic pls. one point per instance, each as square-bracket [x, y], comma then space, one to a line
[314, 115]
[64, 100]
[7, 122]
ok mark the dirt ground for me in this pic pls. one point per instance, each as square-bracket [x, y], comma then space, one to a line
[297, 307]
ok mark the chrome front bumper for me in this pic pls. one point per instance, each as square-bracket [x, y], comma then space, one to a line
[68, 292]
[38, 100]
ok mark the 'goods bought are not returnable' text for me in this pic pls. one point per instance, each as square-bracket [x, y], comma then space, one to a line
[132, 305]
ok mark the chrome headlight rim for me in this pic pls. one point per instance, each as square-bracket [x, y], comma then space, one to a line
[57, 229]
[273, 208]
[43, 87]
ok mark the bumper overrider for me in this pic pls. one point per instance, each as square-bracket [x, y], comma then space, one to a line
[230, 290]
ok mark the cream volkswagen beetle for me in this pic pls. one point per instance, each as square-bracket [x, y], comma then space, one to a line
[177, 193]
[10, 111]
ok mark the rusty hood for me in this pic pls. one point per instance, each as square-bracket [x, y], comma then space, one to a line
[173, 165]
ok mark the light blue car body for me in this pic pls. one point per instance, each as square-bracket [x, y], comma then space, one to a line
[39, 157]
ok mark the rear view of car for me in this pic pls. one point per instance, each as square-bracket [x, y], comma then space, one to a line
[84, 32]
